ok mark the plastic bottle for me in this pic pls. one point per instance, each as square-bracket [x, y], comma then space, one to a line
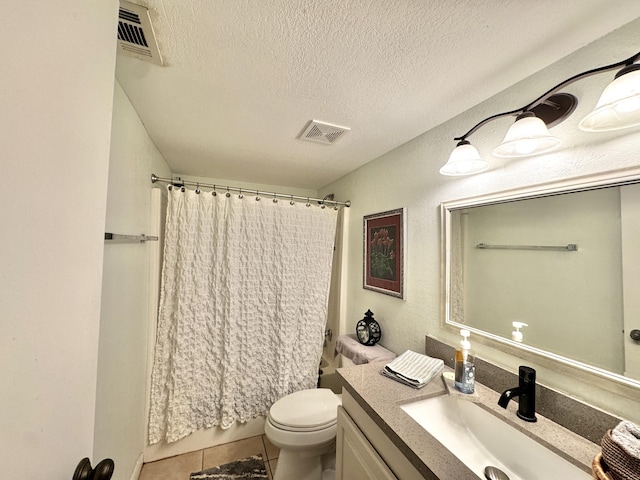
[465, 370]
[516, 335]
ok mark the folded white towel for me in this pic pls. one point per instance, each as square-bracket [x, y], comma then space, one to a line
[349, 346]
[627, 435]
[413, 369]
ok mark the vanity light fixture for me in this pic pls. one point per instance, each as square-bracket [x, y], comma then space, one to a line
[527, 136]
[618, 108]
[619, 104]
[464, 160]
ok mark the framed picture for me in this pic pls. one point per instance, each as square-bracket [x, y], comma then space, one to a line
[384, 235]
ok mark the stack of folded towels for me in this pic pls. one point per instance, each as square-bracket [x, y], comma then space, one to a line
[621, 451]
[413, 369]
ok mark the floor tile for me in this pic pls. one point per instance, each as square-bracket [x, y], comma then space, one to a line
[268, 469]
[230, 452]
[272, 466]
[271, 449]
[174, 468]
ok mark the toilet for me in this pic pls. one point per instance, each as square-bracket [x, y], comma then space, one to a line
[303, 426]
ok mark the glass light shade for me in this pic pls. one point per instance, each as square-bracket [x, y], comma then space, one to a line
[618, 107]
[464, 160]
[527, 136]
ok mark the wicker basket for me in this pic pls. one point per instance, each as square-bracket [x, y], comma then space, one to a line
[619, 464]
[599, 469]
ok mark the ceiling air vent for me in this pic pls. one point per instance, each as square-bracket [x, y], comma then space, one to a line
[321, 132]
[135, 33]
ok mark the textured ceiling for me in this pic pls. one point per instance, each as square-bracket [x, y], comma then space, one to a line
[242, 78]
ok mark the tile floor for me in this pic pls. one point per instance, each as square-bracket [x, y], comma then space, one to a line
[179, 467]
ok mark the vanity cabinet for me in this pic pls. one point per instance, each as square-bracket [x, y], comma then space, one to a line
[355, 456]
[363, 450]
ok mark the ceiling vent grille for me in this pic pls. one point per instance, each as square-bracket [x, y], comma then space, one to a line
[135, 33]
[321, 132]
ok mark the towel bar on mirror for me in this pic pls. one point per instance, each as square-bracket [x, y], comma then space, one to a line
[572, 247]
[130, 238]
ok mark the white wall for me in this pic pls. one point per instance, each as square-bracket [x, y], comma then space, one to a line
[408, 177]
[56, 93]
[122, 356]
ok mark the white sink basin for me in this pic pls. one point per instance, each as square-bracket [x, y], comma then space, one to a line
[480, 439]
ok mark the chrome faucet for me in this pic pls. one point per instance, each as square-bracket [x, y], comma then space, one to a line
[526, 391]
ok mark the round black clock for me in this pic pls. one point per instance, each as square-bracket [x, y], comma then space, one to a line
[368, 330]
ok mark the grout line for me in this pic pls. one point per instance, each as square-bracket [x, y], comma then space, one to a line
[264, 448]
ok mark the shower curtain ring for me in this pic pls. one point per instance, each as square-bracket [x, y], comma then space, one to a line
[291, 202]
[197, 189]
[214, 193]
[257, 196]
[275, 199]
[227, 194]
[308, 203]
[240, 195]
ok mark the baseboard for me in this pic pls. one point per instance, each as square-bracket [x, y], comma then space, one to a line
[137, 468]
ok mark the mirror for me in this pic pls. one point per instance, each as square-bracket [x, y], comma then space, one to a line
[563, 259]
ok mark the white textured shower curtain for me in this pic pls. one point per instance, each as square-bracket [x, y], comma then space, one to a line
[243, 308]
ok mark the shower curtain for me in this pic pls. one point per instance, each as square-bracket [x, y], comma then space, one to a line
[243, 308]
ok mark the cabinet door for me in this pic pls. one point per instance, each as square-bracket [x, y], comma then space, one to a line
[356, 459]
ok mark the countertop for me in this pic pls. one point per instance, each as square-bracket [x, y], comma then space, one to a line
[381, 398]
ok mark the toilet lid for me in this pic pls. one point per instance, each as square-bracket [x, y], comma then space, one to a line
[307, 409]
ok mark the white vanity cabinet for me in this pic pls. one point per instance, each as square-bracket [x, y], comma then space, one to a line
[363, 451]
[355, 456]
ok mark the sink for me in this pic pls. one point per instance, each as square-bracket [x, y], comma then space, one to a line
[480, 439]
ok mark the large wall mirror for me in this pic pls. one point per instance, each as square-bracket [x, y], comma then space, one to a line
[562, 258]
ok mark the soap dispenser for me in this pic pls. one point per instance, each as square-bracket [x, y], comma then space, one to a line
[465, 370]
[516, 335]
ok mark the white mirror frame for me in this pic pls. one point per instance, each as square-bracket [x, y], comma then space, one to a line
[576, 184]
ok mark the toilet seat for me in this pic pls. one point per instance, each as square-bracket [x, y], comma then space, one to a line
[292, 428]
[305, 411]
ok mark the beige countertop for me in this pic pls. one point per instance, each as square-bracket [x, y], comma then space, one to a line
[381, 398]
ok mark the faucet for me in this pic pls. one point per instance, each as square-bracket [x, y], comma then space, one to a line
[526, 390]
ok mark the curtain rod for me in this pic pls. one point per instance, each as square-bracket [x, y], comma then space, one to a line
[327, 200]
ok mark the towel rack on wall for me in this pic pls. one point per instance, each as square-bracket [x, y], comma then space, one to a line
[129, 238]
[572, 247]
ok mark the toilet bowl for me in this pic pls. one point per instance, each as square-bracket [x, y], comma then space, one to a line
[303, 426]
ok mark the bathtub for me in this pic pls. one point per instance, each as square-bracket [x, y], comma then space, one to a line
[328, 376]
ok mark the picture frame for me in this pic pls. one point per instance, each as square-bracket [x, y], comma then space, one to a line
[384, 249]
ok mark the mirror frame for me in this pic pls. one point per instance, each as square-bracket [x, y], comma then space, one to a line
[570, 185]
